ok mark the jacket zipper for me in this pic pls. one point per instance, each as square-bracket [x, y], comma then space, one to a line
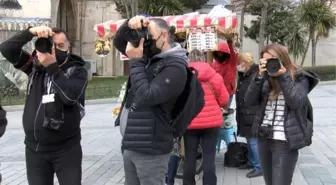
[37, 112]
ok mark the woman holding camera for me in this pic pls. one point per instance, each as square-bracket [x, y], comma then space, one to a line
[245, 114]
[284, 120]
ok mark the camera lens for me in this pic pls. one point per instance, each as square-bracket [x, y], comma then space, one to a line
[273, 65]
[43, 45]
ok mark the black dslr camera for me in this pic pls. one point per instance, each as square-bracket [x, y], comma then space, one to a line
[53, 124]
[273, 64]
[266, 131]
[44, 45]
[134, 36]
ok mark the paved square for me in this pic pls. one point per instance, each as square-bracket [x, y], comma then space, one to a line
[102, 163]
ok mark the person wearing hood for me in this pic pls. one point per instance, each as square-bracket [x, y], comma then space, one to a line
[245, 115]
[225, 63]
[3, 124]
[284, 120]
[205, 126]
[158, 75]
[52, 112]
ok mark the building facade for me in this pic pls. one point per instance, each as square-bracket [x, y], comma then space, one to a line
[76, 17]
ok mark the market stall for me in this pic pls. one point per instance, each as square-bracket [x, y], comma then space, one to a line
[200, 30]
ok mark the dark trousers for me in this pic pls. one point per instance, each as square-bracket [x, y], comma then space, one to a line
[172, 169]
[191, 141]
[66, 163]
[277, 161]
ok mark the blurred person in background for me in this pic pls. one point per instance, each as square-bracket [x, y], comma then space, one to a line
[225, 63]
[205, 126]
[245, 114]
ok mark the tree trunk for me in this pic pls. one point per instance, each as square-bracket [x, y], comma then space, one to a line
[314, 43]
[241, 29]
[126, 3]
[262, 26]
[306, 50]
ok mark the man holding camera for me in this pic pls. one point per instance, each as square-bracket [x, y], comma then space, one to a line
[158, 76]
[52, 113]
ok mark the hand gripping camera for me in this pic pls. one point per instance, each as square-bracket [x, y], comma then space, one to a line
[134, 36]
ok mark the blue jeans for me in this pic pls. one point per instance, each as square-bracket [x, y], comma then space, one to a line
[253, 154]
[172, 169]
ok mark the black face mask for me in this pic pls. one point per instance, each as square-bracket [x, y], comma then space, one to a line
[153, 50]
[61, 56]
[221, 57]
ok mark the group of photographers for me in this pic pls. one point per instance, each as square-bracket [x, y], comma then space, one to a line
[273, 109]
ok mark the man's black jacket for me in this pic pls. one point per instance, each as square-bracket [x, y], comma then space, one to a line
[68, 89]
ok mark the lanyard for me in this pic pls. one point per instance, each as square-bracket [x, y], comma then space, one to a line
[49, 87]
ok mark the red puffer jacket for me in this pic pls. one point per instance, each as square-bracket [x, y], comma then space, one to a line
[211, 115]
[228, 69]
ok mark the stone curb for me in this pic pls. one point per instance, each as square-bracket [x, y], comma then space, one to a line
[332, 82]
[87, 102]
[114, 100]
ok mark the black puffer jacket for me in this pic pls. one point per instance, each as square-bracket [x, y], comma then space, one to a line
[245, 114]
[298, 129]
[67, 89]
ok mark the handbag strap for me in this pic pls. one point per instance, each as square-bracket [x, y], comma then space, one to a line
[212, 90]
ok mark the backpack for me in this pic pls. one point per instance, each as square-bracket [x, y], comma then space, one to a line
[190, 102]
[236, 154]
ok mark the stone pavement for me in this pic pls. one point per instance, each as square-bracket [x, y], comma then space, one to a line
[102, 164]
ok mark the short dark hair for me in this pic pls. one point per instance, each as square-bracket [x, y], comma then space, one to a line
[60, 30]
[162, 24]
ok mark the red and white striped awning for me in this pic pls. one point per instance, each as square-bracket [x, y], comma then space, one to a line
[179, 21]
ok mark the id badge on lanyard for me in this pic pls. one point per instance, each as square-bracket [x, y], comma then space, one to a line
[48, 98]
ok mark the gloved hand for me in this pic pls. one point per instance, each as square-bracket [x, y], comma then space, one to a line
[3, 121]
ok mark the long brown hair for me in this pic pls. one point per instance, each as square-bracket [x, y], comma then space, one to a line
[280, 52]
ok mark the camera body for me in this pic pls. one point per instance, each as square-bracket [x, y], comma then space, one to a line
[134, 36]
[273, 65]
[44, 45]
[52, 124]
[266, 132]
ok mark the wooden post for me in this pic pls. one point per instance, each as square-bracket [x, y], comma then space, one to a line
[210, 57]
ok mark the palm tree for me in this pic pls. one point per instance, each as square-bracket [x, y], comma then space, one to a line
[296, 42]
[161, 7]
[10, 4]
[319, 18]
[11, 80]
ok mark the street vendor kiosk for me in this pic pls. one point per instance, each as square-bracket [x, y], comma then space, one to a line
[200, 31]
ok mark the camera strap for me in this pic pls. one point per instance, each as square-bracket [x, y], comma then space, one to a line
[48, 98]
[274, 112]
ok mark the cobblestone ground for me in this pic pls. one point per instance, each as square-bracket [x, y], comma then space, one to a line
[102, 162]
